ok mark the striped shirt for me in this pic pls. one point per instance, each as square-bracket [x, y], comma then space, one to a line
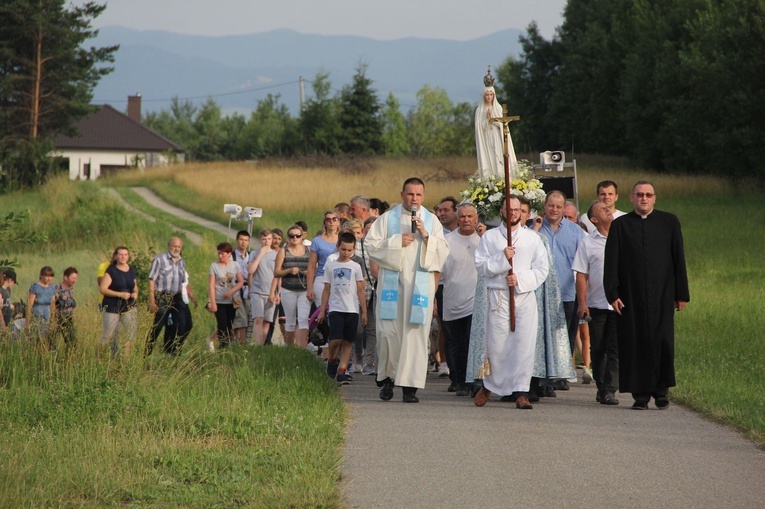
[166, 274]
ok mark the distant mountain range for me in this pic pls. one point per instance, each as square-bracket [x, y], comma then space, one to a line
[239, 70]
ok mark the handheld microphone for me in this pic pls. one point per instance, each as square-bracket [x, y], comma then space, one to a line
[414, 214]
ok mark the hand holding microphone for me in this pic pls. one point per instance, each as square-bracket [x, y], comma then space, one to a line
[414, 222]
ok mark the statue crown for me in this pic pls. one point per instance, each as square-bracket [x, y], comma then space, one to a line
[488, 80]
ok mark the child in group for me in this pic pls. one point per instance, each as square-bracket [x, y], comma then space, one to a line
[7, 280]
[343, 295]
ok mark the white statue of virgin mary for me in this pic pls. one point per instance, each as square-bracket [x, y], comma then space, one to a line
[488, 135]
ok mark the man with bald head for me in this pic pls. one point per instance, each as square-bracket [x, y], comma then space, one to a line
[167, 281]
[564, 237]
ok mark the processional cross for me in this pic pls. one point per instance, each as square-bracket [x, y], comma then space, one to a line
[505, 121]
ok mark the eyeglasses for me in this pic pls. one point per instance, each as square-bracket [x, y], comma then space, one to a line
[294, 235]
[645, 195]
[331, 219]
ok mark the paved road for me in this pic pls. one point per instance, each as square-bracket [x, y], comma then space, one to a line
[567, 452]
[154, 200]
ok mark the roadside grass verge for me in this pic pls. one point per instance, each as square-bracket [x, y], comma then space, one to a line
[719, 352]
[252, 427]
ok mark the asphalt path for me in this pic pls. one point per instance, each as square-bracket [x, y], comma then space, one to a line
[568, 451]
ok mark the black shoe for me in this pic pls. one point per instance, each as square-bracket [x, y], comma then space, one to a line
[598, 397]
[453, 386]
[561, 385]
[549, 391]
[662, 403]
[410, 398]
[464, 390]
[509, 399]
[386, 392]
[332, 369]
[640, 405]
[533, 397]
[409, 395]
[608, 399]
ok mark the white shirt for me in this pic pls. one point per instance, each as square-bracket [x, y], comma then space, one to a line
[459, 275]
[589, 260]
[342, 278]
[591, 227]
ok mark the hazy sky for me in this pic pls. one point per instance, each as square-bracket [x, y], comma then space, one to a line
[378, 19]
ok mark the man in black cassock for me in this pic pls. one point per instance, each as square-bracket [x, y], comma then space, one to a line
[645, 281]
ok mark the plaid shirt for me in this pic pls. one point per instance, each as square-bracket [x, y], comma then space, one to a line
[166, 274]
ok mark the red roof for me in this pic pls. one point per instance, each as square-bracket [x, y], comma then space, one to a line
[108, 129]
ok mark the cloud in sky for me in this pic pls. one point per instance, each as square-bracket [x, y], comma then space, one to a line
[387, 19]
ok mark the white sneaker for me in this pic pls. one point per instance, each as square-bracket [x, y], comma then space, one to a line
[443, 370]
[210, 345]
[586, 376]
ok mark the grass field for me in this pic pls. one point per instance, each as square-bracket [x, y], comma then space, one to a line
[263, 427]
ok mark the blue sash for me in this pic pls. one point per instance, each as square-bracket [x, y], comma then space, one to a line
[390, 278]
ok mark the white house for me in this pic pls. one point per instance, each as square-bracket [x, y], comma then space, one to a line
[110, 141]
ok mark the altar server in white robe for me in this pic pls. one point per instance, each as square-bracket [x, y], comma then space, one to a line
[408, 244]
[510, 353]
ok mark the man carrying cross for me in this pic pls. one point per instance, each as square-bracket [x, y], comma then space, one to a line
[511, 352]
[408, 244]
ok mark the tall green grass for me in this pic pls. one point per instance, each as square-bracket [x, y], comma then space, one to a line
[253, 427]
[720, 358]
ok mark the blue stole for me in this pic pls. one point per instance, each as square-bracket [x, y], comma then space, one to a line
[389, 294]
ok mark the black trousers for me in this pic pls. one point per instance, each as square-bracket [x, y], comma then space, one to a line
[225, 319]
[175, 316]
[604, 349]
[457, 334]
[572, 322]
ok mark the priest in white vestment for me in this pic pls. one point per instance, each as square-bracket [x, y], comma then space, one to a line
[408, 244]
[511, 353]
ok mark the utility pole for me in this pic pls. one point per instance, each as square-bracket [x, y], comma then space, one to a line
[302, 94]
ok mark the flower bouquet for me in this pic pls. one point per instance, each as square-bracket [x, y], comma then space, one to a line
[487, 194]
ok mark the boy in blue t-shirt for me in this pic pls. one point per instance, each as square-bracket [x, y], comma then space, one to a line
[343, 293]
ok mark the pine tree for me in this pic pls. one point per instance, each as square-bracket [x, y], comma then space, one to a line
[46, 79]
[360, 116]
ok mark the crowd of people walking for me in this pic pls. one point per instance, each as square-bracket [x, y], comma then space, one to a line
[501, 310]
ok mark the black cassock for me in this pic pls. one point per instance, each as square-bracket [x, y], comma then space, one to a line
[645, 268]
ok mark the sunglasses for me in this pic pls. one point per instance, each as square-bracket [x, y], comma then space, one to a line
[331, 219]
[294, 235]
[645, 195]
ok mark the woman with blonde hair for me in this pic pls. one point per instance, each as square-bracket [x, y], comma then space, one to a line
[321, 247]
[291, 266]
